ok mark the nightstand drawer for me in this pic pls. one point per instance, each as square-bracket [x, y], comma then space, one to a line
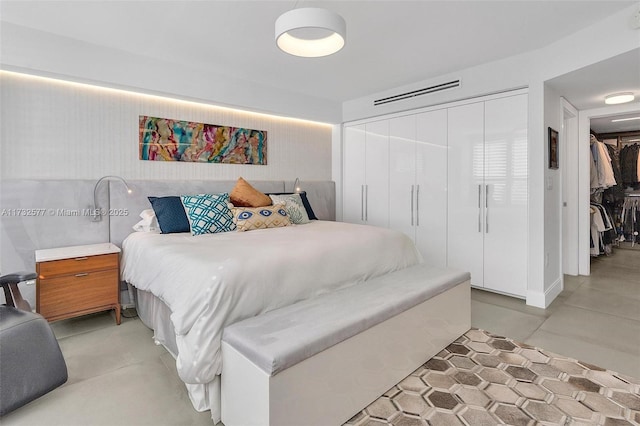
[75, 293]
[77, 265]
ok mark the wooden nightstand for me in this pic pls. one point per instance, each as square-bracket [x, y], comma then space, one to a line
[79, 280]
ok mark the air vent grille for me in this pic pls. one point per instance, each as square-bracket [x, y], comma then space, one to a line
[437, 88]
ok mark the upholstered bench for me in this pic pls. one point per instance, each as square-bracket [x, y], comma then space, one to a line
[321, 360]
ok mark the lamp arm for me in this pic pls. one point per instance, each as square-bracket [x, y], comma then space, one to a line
[98, 215]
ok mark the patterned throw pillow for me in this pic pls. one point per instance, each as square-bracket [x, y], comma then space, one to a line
[245, 195]
[208, 213]
[305, 203]
[250, 218]
[293, 204]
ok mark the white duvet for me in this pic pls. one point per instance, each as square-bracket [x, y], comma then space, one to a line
[213, 280]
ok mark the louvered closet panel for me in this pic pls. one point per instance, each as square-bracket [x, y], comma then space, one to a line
[366, 174]
[465, 224]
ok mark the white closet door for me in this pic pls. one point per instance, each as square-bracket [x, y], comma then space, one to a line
[465, 196]
[377, 174]
[354, 174]
[431, 186]
[402, 172]
[506, 233]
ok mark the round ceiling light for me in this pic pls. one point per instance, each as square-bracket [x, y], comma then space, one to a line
[619, 98]
[310, 32]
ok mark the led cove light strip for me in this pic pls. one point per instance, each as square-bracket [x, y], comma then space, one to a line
[157, 97]
[617, 120]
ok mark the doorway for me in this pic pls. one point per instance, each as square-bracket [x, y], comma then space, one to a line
[599, 117]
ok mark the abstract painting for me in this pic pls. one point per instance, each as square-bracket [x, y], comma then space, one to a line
[165, 139]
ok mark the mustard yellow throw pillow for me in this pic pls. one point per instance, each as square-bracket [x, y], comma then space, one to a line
[245, 195]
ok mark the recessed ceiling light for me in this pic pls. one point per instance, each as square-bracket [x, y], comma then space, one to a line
[310, 32]
[617, 120]
[619, 98]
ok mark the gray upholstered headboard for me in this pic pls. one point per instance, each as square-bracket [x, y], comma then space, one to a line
[46, 213]
[321, 195]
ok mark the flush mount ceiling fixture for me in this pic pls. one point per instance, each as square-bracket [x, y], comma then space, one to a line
[310, 32]
[618, 98]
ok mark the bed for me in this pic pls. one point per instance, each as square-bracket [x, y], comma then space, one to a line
[188, 288]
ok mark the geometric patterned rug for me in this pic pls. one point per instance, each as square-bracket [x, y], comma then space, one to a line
[484, 379]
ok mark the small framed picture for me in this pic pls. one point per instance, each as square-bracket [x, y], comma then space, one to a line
[553, 149]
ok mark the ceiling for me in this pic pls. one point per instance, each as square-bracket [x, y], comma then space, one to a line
[389, 43]
[607, 125]
[587, 87]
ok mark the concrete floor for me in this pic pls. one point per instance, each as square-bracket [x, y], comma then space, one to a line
[595, 319]
[117, 376]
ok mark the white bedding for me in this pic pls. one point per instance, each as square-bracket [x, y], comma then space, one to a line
[213, 280]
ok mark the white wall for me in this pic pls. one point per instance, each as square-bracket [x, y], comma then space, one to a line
[36, 52]
[610, 37]
[61, 130]
[552, 199]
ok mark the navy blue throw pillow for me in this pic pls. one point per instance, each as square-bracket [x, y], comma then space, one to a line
[170, 214]
[305, 203]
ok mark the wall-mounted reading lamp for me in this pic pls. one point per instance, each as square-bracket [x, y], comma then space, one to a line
[97, 211]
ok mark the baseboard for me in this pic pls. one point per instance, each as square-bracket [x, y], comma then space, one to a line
[542, 300]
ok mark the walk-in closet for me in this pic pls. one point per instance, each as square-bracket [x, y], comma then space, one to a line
[615, 185]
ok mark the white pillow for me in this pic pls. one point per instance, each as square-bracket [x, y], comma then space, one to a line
[149, 223]
[148, 214]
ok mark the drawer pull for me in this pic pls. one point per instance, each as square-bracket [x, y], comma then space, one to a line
[82, 275]
[81, 258]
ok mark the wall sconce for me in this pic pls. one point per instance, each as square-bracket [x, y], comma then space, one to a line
[97, 211]
[296, 186]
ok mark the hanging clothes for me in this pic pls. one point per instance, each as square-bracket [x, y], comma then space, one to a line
[593, 172]
[602, 230]
[629, 164]
[604, 177]
[615, 194]
[631, 219]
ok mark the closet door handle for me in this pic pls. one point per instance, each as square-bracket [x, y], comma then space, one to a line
[479, 208]
[362, 203]
[418, 205]
[411, 205]
[486, 204]
[366, 204]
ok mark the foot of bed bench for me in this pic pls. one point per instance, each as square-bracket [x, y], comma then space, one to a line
[331, 386]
